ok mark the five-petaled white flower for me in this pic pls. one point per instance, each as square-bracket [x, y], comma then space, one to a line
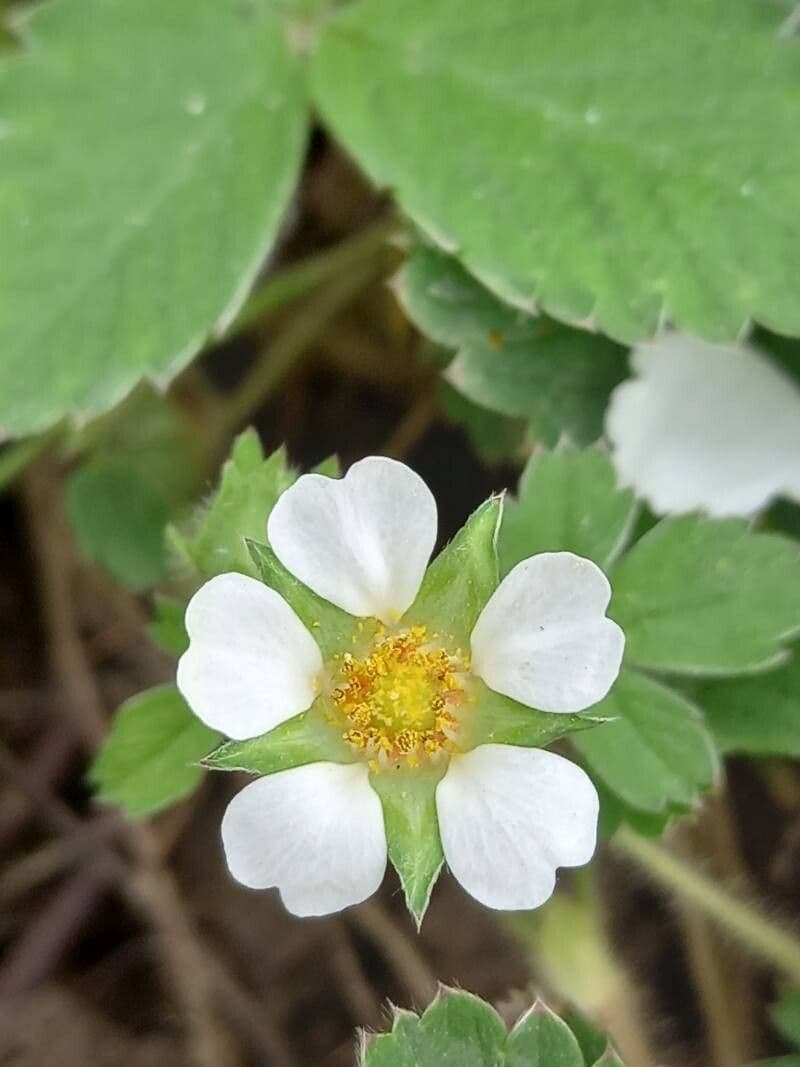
[712, 427]
[508, 816]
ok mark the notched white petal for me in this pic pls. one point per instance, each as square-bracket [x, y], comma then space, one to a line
[543, 637]
[363, 541]
[509, 817]
[315, 832]
[251, 663]
[700, 426]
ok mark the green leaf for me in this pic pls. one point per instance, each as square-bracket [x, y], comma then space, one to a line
[541, 1038]
[657, 752]
[584, 170]
[558, 378]
[306, 738]
[408, 797]
[461, 579]
[332, 628]
[609, 1059]
[759, 716]
[706, 596]
[249, 487]
[457, 1030]
[168, 628]
[786, 1016]
[149, 152]
[568, 501]
[493, 437]
[151, 757]
[119, 520]
[493, 718]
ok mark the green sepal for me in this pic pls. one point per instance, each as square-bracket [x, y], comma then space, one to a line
[330, 467]
[461, 579]
[150, 758]
[408, 797]
[168, 628]
[496, 719]
[331, 627]
[458, 1028]
[307, 738]
[541, 1037]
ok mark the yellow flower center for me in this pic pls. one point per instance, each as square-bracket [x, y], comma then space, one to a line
[400, 701]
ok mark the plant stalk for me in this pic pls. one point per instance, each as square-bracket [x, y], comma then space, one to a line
[769, 939]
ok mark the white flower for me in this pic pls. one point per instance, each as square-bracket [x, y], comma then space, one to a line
[702, 426]
[508, 816]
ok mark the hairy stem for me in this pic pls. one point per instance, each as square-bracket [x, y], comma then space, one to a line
[766, 938]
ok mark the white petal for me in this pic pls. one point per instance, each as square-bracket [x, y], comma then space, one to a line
[705, 427]
[543, 637]
[363, 541]
[251, 664]
[315, 832]
[509, 816]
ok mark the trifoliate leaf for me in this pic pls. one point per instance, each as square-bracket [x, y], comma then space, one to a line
[657, 752]
[306, 738]
[461, 579]
[707, 596]
[492, 718]
[541, 1037]
[168, 628]
[331, 627]
[408, 797]
[249, 487]
[151, 757]
[149, 151]
[568, 501]
[118, 519]
[557, 378]
[457, 1030]
[583, 169]
[759, 716]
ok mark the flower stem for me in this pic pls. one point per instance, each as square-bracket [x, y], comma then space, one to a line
[769, 939]
[295, 281]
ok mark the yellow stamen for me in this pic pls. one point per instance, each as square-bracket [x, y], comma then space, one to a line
[398, 701]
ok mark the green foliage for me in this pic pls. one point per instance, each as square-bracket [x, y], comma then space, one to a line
[786, 1016]
[168, 628]
[459, 1030]
[656, 754]
[493, 437]
[118, 519]
[151, 756]
[149, 151]
[568, 501]
[408, 798]
[584, 170]
[249, 487]
[559, 379]
[759, 716]
[461, 579]
[705, 596]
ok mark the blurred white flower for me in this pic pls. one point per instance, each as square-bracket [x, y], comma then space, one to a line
[508, 816]
[705, 427]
